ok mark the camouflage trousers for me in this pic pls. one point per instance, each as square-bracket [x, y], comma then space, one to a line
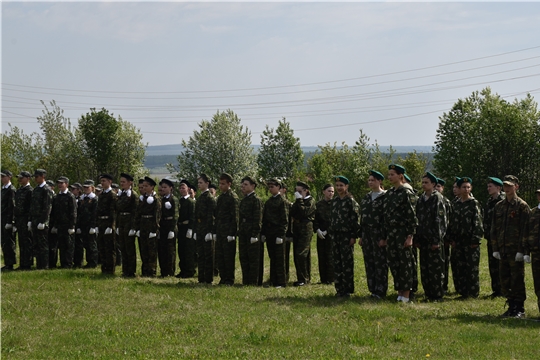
[415, 269]
[343, 263]
[493, 269]
[8, 246]
[128, 249]
[249, 259]
[446, 266]
[90, 247]
[41, 246]
[66, 247]
[401, 261]
[166, 251]
[260, 277]
[325, 255]
[535, 267]
[276, 253]
[148, 253]
[225, 258]
[78, 250]
[512, 275]
[205, 260]
[26, 249]
[302, 234]
[432, 269]
[186, 253]
[53, 249]
[375, 262]
[106, 245]
[466, 270]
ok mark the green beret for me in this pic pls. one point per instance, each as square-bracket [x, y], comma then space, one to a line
[273, 181]
[441, 181]
[464, 179]
[407, 178]
[376, 174]
[397, 168]
[510, 180]
[495, 181]
[431, 177]
[457, 179]
[342, 179]
[302, 184]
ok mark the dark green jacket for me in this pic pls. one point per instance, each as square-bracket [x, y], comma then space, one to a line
[323, 214]
[275, 217]
[149, 213]
[23, 201]
[8, 205]
[509, 225]
[127, 204]
[41, 205]
[87, 213]
[226, 214]
[250, 216]
[186, 212]
[64, 211]
[169, 217]
[204, 214]
[106, 209]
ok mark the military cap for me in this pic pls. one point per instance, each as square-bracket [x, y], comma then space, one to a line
[302, 184]
[212, 186]
[407, 178]
[62, 179]
[115, 186]
[376, 174]
[464, 179]
[341, 178]
[88, 183]
[24, 174]
[40, 172]
[397, 168]
[6, 173]
[106, 176]
[227, 177]
[99, 188]
[166, 181]
[205, 178]
[273, 181]
[250, 180]
[457, 179]
[510, 180]
[184, 181]
[150, 180]
[141, 181]
[49, 182]
[76, 186]
[126, 176]
[495, 180]
[441, 181]
[431, 177]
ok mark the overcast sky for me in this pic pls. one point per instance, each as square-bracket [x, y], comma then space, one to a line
[331, 69]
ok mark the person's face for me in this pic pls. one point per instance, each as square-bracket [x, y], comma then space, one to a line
[274, 190]
[148, 188]
[62, 186]
[224, 185]
[5, 180]
[301, 190]
[246, 187]
[76, 191]
[141, 188]
[373, 183]
[192, 193]
[212, 191]
[39, 178]
[466, 188]
[125, 184]
[456, 190]
[439, 188]
[394, 177]
[427, 185]
[184, 190]
[88, 189]
[328, 193]
[24, 181]
[538, 197]
[493, 189]
[201, 184]
[105, 183]
[341, 188]
[283, 191]
[164, 189]
[510, 190]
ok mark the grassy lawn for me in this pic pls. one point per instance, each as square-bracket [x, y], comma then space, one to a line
[80, 314]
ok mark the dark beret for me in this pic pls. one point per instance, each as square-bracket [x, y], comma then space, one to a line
[106, 176]
[150, 180]
[166, 181]
[126, 176]
[464, 179]
[302, 184]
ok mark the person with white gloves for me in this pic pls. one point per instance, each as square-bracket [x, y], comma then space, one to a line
[40, 209]
[23, 199]
[167, 229]
[147, 226]
[324, 239]
[8, 220]
[204, 227]
[106, 225]
[126, 205]
[186, 243]
[87, 223]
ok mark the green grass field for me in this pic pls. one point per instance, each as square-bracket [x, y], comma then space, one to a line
[80, 314]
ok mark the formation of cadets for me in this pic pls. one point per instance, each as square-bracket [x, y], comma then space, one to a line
[396, 229]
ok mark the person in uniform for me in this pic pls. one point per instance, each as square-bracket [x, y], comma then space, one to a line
[372, 235]
[40, 209]
[399, 227]
[508, 232]
[302, 214]
[288, 235]
[448, 209]
[213, 189]
[167, 229]
[23, 199]
[204, 225]
[532, 246]
[249, 229]
[324, 239]
[148, 220]
[186, 223]
[62, 221]
[344, 227]
[494, 188]
[225, 228]
[87, 224]
[8, 221]
[429, 238]
[127, 204]
[106, 224]
[78, 252]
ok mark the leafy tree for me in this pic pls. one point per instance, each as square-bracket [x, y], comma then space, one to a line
[416, 166]
[20, 152]
[221, 145]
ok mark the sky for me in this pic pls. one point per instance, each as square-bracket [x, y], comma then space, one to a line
[331, 69]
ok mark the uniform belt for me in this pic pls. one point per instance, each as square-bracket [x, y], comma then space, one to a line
[103, 217]
[125, 213]
[147, 216]
[168, 218]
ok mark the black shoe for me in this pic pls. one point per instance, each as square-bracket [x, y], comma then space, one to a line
[299, 283]
[511, 308]
[128, 275]
[462, 297]
[7, 268]
[496, 294]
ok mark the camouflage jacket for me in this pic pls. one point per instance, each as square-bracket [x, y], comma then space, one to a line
[532, 242]
[64, 211]
[186, 212]
[106, 209]
[509, 225]
[431, 214]
[345, 217]
[87, 212]
[250, 216]
[23, 200]
[372, 215]
[226, 214]
[204, 214]
[275, 217]
[399, 211]
[289, 218]
[169, 217]
[303, 210]
[148, 213]
[323, 213]
[466, 226]
[488, 213]
[41, 204]
[127, 204]
[8, 204]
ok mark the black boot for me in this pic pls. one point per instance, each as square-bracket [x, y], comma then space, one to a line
[519, 309]
[510, 311]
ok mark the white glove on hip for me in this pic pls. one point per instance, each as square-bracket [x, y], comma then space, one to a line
[231, 238]
[519, 257]
[170, 235]
[189, 233]
[92, 231]
[54, 230]
[497, 255]
[168, 205]
[152, 235]
[14, 229]
[8, 226]
[208, 237]
[79, 231]
[279, 241]
[132, 232]
[117, 231]
[138, 233]
[40, 226]
[29, 225]
[71, 231]
[527, 259]
[195, 236]
[320, 234]
[253, 240]
[108, 231]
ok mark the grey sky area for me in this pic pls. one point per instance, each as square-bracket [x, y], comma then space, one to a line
[331, 69]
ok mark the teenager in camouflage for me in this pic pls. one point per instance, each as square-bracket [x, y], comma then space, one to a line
[204, 225]
[324, 239]
[448, 208]
[494, 188]
[532, 246]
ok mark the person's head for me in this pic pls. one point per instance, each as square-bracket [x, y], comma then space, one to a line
[141, 186]
[99, 189]
[225, 182]
[203, 182]
[429, 181]
[126, 181]
[62, 183]
[440, 185]
[465, 186]
[165, 187]
[24, 178]
[396, 174]
[494, 186]
[341, 184]
[375, 180]
[148, 185]
[328, 192]
[106, 181]
[511, 185]
[283, 190]
[274, 185]
[76, 189]
[184, 188]
[302, 188]
[192, 191]
[88, 186]
[6, 177]
[455, 188]
[248, 185]
[39, 176]
[213, 189]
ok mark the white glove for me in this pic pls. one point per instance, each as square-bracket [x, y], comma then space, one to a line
[289, 239]
[14, 229]
[189, 233]
[117, 231]
[195, 236]
[168, 205]
[152, 235]
[527, 259]
[497, 255]
[141, 198]
[325, 232]
[54, 230]
[297, 195]
[8, 226]
[138, 233]
[97, 230]
[263, 238]
[253, 240]
[40, 226]
[231, 238]
[150, 200]
[29, 225]
[108, 231]
[71, 231]
[170, 235]
[279, 241]
[519, 257]
[208, 237]
[214, 237]
[131, 232]
[320, 234]
[79, 231]
[92, 231]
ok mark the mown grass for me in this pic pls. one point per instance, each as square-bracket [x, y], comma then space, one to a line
[80, 314]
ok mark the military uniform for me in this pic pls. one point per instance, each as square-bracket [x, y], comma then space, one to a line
[148, 219]
[325, 250]
[166, 243]
[23, 199]
[8, 221]
[62, 220]
[106, 222]
[274, 227]
[532, 247]
[204, 225]
[303, 214]
[492, 262]
[225, 228]
[78, 244]
[371, 232]
[87, 223]
[186, 245]
[447, 257]
[40, 210]
[250, 218]
[127, 204]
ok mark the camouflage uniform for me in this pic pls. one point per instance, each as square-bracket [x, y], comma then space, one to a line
[63, 218]
[431, 229]
[148, 218]
[23, 199]
[493, 263]
[166, 246]
[126, 207]
[325, 250]
[448, 209]
[288, 239]
[414, 249]
[303, 214]
[399, 222]
[532, 247]
[86, 220]
[40, 209]
[204, 224]
[186, 246]
[371, 232]
[467, 230]
[249, 226]
[508, 231]
[344, 226]
[106, 218]
[226, 224]
[8, 217]
[274, 225]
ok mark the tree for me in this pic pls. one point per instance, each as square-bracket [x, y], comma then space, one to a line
[484, 135]
[20, 152]
[416, 166]
[280, 154]
[220, 145]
